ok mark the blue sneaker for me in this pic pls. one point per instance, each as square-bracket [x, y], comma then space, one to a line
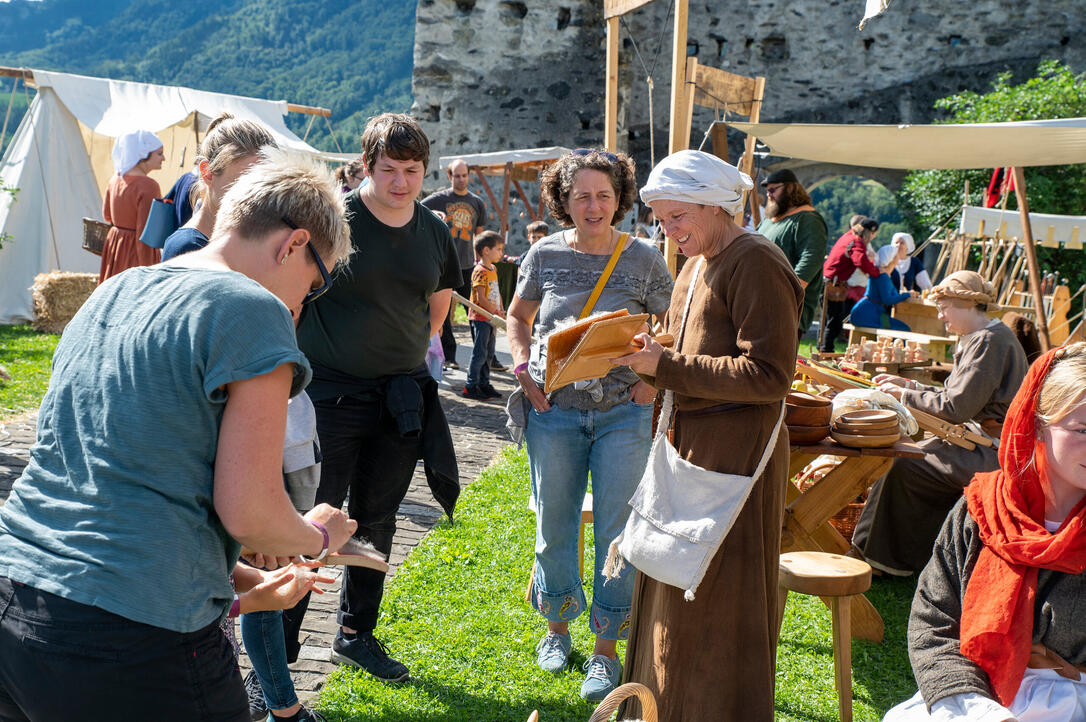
[552, 652]
[602, 674]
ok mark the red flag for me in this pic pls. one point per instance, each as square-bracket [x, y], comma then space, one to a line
[1002, 182]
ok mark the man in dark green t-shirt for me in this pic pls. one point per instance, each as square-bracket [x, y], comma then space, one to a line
[366, 339]
[793, 224]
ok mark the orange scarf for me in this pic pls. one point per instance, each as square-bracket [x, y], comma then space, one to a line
[1008, 505]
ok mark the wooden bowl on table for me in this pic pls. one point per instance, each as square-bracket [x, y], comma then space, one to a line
[807, 434]
[803, 409]
[866, 441]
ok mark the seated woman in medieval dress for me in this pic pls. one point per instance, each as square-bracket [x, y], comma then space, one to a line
[873, 310]
[905, 510]
[996, 632]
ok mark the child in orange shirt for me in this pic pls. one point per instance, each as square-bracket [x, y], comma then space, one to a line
[489, 249]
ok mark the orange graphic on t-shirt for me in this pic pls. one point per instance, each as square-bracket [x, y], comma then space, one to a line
[461, 220]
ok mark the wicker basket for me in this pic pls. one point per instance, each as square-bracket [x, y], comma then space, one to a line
[94, 235]
[619, 695]
[843, 521]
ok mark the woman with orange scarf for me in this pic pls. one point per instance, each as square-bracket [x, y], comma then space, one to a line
[996, 631]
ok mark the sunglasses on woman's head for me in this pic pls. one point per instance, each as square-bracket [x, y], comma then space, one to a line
[589, 151]
[316, 292]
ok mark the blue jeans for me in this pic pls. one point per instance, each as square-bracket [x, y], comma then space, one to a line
[265, 642]
[564, 446]
[482, 333]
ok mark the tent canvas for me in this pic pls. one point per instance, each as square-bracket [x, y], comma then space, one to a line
[60, 161]
[920, 147]
[498, 159]
[1051, 230]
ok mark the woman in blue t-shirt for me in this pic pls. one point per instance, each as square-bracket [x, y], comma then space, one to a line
[230, 148]
[159, 454]
[873, 310]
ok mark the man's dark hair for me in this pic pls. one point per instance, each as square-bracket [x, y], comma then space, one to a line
[396, 135]
[797, 195]
[485, 240]
[538, 227]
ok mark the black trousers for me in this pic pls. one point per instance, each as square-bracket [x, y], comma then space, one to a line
[836, 312]
[61, 660]
[448, 341]
[365, 455]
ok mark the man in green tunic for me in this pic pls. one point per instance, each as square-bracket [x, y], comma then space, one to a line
[792, 223]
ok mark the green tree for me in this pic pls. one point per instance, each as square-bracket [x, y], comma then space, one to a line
[930, 197]
[838, 199]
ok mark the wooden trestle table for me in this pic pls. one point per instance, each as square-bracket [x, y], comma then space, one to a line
[807, 514]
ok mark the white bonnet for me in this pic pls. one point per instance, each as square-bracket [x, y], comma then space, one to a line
[131, 148]
[692, 176]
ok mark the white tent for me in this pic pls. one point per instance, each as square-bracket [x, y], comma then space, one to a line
[1052, 231]
[915, 147]
[59, 160]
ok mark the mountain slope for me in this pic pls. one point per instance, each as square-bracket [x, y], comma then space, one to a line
[352, 56]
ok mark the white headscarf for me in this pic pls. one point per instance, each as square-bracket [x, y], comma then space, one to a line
[695, 177]
[885, 254]
[131, 148]
[910, 246]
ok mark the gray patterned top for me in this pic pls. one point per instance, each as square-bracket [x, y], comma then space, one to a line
[562, 280]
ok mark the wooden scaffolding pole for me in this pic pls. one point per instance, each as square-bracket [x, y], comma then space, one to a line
[1031, 256]
[610, 124]
[678, 80]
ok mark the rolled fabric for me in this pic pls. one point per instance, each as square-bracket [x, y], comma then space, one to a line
[967, 288]
[692, 176]
[131, 148]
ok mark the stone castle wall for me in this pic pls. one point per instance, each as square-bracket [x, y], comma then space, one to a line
[494, 74]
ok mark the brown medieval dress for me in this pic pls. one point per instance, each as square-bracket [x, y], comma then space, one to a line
[714, 658]
[126, 206]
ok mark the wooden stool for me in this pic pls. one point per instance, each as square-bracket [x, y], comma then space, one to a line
[839, 578]
[586, 518]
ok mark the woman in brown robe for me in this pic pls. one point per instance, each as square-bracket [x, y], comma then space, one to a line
[128, 203]
[714, 658]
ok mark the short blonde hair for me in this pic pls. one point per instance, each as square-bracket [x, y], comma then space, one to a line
[287, 186]
[1064, 388]
[228, 139]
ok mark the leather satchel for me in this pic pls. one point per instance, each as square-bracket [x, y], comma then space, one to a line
[835, 290]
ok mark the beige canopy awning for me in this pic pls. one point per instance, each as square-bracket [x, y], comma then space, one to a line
[920, 147]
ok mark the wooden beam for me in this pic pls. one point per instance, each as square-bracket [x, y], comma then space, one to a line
[308, 109]
[10, 72]
[505, 198]
[615, 8]
[610, 122]
[747, 163]
[1031, 255]
[524, 200]
[678, 78]
[486, 187]
[688, 103]
[718, 132]
[724, 91]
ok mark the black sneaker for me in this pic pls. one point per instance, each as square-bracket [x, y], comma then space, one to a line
[496, 365]
[490, 392]
[306, 715]
[258, 709]
[471, 392]
[367, 652]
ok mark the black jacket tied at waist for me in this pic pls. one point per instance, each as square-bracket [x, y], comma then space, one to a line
[411, 400]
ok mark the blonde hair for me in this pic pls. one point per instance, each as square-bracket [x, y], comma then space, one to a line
[226, 140]
[287, 186]
[1064, 388]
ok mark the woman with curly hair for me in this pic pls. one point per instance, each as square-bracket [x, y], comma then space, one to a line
[601, 427]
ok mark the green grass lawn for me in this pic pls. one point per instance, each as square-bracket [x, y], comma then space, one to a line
[456, 615]
[27, 355]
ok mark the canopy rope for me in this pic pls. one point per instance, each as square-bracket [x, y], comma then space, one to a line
[649, 74]
[332, 133]
[45, 196]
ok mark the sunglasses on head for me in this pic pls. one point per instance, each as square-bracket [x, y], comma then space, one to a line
[316, 292]
[589, 151]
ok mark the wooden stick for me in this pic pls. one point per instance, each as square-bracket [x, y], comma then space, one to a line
[1031, 254]
[524, 200]
[496, 320]
[610, 106]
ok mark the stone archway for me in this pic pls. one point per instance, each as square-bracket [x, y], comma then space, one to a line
[811, 174]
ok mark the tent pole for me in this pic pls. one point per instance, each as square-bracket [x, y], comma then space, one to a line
[7, 115]
[610, 123]
[1031, 255]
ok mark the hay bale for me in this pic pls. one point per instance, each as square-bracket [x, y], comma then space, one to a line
[57, 297]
